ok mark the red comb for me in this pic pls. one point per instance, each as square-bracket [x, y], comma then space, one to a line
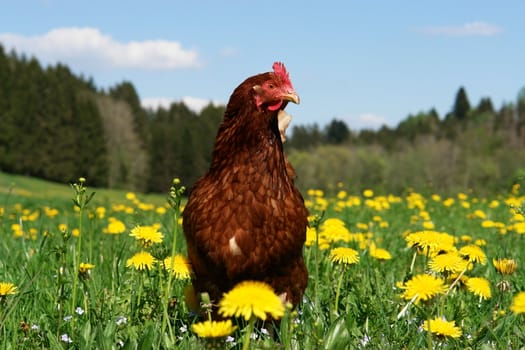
[280, 70]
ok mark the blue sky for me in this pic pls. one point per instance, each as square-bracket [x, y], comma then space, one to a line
[365, 62]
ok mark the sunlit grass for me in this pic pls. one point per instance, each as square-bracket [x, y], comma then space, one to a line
[386, 272]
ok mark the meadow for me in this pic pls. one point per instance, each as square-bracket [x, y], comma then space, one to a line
[410, 271]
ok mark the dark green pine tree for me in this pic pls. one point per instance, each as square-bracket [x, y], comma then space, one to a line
[461, 107]
[337, 132]
[521, 112]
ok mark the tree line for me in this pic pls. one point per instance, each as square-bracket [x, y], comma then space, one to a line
[59, 126]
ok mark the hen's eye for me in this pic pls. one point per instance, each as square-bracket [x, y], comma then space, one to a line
[271, 86]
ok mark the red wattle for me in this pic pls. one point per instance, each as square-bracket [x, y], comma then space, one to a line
[275, 106]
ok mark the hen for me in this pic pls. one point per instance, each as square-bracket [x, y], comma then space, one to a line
[245, 219]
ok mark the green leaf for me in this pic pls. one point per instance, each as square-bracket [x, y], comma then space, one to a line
[337, 336]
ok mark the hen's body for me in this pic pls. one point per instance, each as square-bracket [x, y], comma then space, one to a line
[245, 220]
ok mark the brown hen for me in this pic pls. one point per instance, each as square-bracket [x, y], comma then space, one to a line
[245, 219]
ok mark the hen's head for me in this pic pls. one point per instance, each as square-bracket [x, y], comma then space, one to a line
[275, 90]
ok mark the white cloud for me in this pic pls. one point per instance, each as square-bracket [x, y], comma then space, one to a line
[365, 121]
[88, 47]
[467, 29]
[196, 104]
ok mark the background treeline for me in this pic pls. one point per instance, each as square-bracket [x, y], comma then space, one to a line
[59, 126]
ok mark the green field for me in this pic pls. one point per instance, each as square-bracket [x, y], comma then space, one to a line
[422, 272]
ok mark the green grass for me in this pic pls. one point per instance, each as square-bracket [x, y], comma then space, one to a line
[346, 306]
[25, 187]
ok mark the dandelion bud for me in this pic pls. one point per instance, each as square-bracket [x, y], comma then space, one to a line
[82, 180]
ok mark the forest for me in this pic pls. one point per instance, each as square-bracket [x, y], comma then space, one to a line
[59, 126]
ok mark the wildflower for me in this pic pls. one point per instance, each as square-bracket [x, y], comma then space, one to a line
[333, 229]
[141, 261]
[179, 265]
[251, 298]
[429, 225]
[442, 327]
[50, 212]
[213, 329]
[474, 254]
[344, 255]
[68, 318]
[121, 320]
[115, 227]
[79, 310]
[431, 242]
[65, 338]
[7, 288]
[368, 193]
[84, 268]
[448, 262]
[518, 303]
[131, 196]
[479, 286]
[505, 266]
[379, 253]
[422, 287]
[147, 235]
[100, 212]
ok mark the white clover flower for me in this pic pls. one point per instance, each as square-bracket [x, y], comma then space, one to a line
[65, 338]
[121, 320]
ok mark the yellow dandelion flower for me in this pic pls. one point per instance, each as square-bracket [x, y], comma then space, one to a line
[448, 202]
[213, 329]
[473, 253]
[141, 261]
[131, 196]
[147, 235]
[85, 267]
[494, 204]
[251, 298]
[311, 236]
[505, 266]
[368, 193]
[344, 255]
[429, 225]
[518, 303]
[431, 242]
[361, 226]
[480, 214]
[7, 288]
[334, 230]
[479, 286]
[379, 253]
[50, 212]
[519, 227]
[442, 327]
[448, 262]
[179, 265]
[100, 212]
[115, 227]
[422, 287]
